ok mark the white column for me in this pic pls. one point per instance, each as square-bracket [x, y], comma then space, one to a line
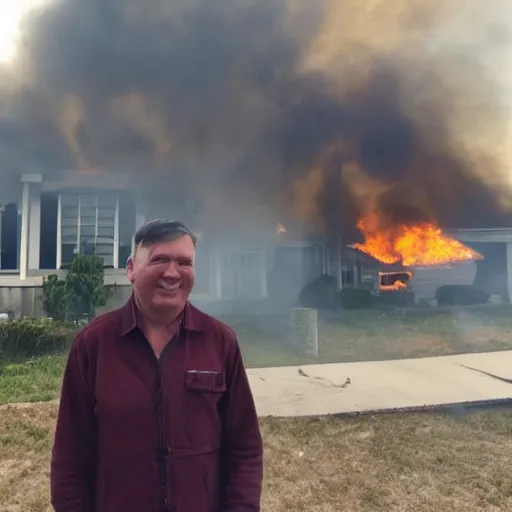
[30, 182]
[509, 271]
[25, 218]
[34, 235]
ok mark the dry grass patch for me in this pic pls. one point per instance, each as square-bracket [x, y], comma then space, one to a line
[420, 462]
[25, 443]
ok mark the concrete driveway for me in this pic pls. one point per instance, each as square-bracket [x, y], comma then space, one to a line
[372, 386]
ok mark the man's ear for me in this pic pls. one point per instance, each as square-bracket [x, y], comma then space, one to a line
[129, 268]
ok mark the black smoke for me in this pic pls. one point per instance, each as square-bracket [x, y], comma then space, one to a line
[209, 105]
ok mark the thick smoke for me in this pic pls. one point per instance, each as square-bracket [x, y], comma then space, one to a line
[253, 111]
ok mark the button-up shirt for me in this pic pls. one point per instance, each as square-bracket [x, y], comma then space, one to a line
[140, 434]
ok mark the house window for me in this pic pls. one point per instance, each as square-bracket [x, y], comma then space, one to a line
[88, 220]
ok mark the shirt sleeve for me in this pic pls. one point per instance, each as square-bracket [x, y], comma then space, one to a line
[73, 464]
[242, 444]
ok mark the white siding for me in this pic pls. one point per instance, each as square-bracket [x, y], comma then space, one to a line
[426, 280]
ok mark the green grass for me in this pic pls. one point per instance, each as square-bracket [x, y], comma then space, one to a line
[378, 335]
[33, 380]
[350, 336]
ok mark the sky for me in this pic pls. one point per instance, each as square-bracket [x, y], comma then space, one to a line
[11, 12]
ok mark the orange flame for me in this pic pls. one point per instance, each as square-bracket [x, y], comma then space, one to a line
[394, 281]
[397, 285]
[421, 244]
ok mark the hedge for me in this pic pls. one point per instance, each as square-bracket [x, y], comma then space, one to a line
[461, 295]
[26, 337]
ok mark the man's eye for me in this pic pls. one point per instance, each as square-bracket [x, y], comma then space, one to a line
[185, 263]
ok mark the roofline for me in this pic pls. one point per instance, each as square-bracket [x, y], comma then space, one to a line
[476, 230]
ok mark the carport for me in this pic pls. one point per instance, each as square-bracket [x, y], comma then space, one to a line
[495, 244]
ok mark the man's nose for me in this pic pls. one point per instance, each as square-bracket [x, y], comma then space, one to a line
[172, 270]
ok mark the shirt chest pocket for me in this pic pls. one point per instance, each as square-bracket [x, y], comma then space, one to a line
[203, 392]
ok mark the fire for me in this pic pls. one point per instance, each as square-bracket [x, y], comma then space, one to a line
[394, 281]
[397, 285]
[420, 244]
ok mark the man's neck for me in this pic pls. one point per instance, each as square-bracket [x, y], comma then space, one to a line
[167, 321]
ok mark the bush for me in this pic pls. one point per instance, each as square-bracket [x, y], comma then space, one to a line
[54, 297]
[357, 299]
[79, 293]
[461, 295]
[26, 337]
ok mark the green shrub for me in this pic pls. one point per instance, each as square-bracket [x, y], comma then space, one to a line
[54, 297]
[79, 293]
[357, 299]
[26, 337]
[461, 295]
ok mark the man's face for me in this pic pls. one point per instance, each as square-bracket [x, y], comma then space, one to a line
[162, 274]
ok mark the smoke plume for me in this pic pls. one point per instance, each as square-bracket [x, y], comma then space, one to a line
[266, 110]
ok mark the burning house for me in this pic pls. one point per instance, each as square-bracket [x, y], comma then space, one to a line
[418, 258]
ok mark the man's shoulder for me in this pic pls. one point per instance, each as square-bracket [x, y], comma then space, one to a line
[213, 326]
[103, 325]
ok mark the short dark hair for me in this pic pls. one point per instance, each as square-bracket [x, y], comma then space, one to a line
[161, 230]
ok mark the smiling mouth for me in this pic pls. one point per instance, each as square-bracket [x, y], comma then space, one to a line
[169, 287]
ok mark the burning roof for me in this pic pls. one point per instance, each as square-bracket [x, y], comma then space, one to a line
[411, 245]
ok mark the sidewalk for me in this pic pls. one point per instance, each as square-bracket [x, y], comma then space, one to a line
[371, 386]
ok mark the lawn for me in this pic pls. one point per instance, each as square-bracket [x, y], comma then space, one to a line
[380, 335]
[350, 336]
[32, 380]
[416, 462]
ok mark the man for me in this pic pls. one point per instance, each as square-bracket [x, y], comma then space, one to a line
[156, 413]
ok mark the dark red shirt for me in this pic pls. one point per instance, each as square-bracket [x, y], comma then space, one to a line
[141, 434]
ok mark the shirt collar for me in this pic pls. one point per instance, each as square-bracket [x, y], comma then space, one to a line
[193, 319]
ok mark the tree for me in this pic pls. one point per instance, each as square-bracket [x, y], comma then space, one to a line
[80, 293]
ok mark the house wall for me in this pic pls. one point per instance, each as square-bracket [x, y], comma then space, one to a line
[225, 280]
[23, 300]
[291, 266]
[27, 300]
[427, 280]
[243, 274]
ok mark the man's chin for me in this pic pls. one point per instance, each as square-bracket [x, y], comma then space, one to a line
[168, 300]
